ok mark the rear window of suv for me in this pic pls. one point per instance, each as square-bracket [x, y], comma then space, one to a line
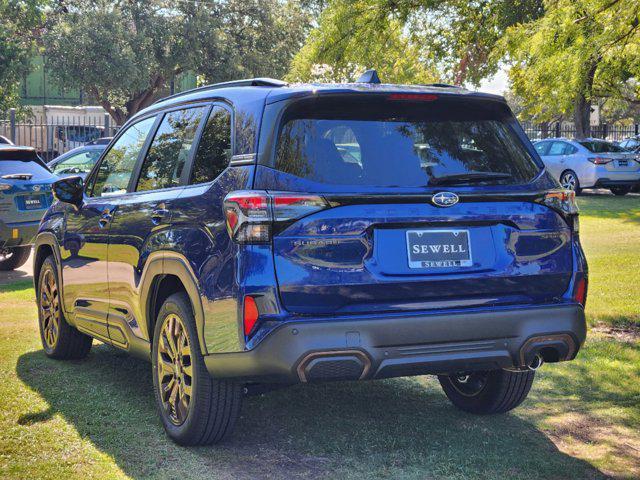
[398, 143]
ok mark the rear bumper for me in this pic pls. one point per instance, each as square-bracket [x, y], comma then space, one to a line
[612, 182]
[18, 233]
[401, 345]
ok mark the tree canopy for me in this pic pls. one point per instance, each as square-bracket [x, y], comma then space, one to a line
[122, 53]
[578, 51]
[20, 23]
[410, 40]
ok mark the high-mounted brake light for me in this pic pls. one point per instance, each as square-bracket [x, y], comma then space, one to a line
[564, 202]
[415, 97]
[251, 215]
[600, 160]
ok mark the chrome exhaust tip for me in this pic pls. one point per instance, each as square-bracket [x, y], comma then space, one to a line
[536, 363]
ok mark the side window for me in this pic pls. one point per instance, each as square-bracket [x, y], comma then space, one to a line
[557, 148]
[117, 165]
[570, 149]
[214, 150]
[170, 149]
[80, 163]
[542, 148]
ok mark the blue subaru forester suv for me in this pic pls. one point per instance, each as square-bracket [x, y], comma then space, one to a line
[256, 233]
[25, 194]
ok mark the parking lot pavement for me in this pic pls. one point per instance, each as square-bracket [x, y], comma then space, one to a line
[25, 272]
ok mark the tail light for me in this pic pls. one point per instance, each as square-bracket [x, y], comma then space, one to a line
[600, 160]
[252, 215]
[564, 202]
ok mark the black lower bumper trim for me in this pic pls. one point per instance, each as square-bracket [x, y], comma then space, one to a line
[26, 232]
[408, 345]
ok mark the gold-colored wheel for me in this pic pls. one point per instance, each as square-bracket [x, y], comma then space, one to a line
[175, 369]
[50, 308]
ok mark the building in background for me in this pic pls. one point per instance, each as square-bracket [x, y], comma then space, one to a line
[39, 89]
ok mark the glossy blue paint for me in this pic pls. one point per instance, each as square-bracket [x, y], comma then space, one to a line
[348, 261]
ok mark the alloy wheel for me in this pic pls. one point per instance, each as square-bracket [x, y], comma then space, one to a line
[469, 384]
[50, 307]
[569, 181]
[175, 369]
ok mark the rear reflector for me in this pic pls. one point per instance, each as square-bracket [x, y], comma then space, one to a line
[250, 314]
[580, 291]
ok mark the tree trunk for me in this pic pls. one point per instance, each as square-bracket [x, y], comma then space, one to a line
[581, 116]
[582, 104]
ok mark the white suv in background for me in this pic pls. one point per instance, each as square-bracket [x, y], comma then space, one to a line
[590, 163]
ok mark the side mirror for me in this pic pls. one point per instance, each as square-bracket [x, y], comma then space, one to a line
[69, 190]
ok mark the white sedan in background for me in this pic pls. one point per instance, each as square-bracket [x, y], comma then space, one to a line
[590, 163]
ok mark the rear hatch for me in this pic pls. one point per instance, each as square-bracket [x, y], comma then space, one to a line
[429, 204]
[25, 185]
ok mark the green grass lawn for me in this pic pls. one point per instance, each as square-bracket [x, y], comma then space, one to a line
[96, 419]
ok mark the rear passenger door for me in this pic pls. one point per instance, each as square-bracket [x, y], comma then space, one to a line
[554, 159]
[141, 222]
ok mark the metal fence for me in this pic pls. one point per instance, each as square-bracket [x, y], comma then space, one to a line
[52, 135]
[613, 132]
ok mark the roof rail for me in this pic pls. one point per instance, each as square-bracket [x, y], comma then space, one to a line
[248, 82]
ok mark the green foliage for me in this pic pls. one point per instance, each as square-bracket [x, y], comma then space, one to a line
[123, 53]
[354, 36]
[410, 40]
[19, 28]
[577, 51]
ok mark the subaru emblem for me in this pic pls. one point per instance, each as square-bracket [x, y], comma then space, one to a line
[445, 199]
[36, 188]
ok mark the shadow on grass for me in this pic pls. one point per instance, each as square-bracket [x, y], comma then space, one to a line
[16, 286]
[391, 428]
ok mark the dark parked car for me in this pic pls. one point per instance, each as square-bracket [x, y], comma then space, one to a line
[78, 161]
[254, 233]
[25, 193]
[5, 141]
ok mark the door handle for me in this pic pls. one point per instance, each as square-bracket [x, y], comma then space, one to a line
[105, 219]
[159, 214]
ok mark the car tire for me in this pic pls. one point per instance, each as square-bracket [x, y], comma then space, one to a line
[620, 191]
[569, 180]
[17, 257]
[212, 408]
[495, 391]
[59, 339]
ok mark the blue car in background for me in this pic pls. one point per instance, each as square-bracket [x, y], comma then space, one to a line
[252, 234]
[78, 161]
[25, 193]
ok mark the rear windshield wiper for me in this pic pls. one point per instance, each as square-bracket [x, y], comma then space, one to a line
[469, 177]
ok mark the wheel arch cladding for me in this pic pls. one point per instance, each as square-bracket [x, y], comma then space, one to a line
[175, 275]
